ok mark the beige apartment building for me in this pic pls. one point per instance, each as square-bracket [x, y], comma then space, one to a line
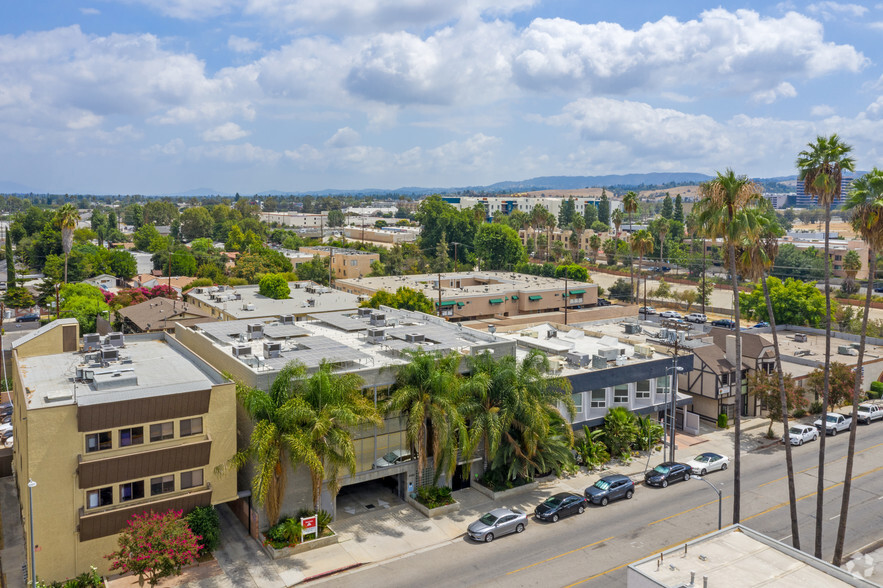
[474, 295]
[345, 263]
[108, 427]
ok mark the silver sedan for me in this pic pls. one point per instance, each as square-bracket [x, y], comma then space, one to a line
[500, 521]
[708, 462]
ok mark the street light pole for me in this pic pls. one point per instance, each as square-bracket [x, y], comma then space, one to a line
[720, 500]
[31, 485]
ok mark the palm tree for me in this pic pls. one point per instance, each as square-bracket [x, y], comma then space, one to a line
[866, 202]
[721, 213]
[821, 170]
[538, 219]
[852, 263]
[427, 389]
[756, 260]
[66, 217]
[662, 229]
[326, 408]
[642, 244]
[630, 205]
[578, 226]
[595, 245]
[616, 218]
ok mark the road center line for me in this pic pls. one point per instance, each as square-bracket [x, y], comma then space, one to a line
[815, 466]
[560, 555]
[677, 514]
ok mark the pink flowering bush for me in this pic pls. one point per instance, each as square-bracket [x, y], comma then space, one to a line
[154, 546]
[132, 296]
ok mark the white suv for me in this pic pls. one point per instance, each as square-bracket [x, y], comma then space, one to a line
[696, 317]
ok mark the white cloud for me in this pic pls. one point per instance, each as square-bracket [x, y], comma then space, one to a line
[822, 110]
[90, 11]
[190, 9]
[235, 154]
[173, 147]
[878, 25]
[242, 44]
[345, 137]
[783, 90]
[831, 10]
[226, 132]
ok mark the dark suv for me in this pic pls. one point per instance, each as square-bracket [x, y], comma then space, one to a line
[725, 323]
[610, 488]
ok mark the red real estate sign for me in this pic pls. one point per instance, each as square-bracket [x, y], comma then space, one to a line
[309, 525]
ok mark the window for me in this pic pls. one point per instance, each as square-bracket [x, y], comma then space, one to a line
[98, 442]
[354, 262]
[100, 497]
[578, 401]
[131, 491]
[191, 479]
[725, 379]
[643, 389]
[663, 385]
[621, 394]
[162, 485]
[132, 436]
[162, 431]
[599, 398]
[191, 427]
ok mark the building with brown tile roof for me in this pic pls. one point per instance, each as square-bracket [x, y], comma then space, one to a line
[160, 314]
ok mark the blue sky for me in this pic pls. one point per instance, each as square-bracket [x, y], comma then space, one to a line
[159, 96]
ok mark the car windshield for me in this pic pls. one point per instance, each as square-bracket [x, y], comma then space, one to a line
[864, 407]
[488, 519]
[662, 469]
[553, 501]
[602, 485]
[703, 458]
[795, 431]
[390, 457]
[832, 418]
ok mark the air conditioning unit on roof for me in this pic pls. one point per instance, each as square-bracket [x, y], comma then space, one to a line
[241, 350]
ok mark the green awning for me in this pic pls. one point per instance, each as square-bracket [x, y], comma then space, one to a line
[460, 304]
[537, 297]
[515, 297]
[446, 303]
[572, 292]
[496, 301]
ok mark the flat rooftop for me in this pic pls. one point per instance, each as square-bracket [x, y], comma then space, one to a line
[146, 366]
[243, 302]
[474, 283]
[353, 340]
[738, 557]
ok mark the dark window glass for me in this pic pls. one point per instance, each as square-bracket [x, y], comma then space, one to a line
[191, 479]
[131, 491]
[162, 485]
[100, 497]
[162, 431]
[98, 442]
[191, 427]
[133, 436]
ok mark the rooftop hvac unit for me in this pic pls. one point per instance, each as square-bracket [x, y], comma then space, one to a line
[241, 350]
[378, 319]
[248, 306]
[375, 335]
[91, 342]
[287, 319]
[556, 364]
[608, 353]
[414, 337]
[109, 353]
[115, 339]
[255, 331]
[552, 334]
[197, 290]
[365, 311]
[800, 337]
[621, 360]
[579, 359]
[598, 362]
[237, 296]
[643, 351]
[272, 349]
[846, 350]
[632, 329]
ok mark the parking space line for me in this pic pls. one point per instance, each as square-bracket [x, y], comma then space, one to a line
[560, 555]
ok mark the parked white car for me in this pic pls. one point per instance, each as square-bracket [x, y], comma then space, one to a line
[799, 434]
[696, 317]
[868, 413]
[835, 423]
[392, 458]
[673, 314]
[708, 462]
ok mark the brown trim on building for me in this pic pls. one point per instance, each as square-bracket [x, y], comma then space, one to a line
[143, 464]
[111, 415]
[93, 526]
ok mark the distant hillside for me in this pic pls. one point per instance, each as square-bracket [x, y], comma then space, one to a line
[576, 182]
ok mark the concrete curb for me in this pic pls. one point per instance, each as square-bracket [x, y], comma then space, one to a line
[330, 572]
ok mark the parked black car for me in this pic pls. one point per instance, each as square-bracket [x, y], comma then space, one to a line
[28, 318]
[610, 488]
[560, 505]
[666, 472]
[725, 323]
[5, 408]
[603, 302]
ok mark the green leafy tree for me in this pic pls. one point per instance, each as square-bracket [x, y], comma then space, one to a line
[794, 303]
[134, 215]
[206, 525]
[160, 212]
[441, 261]
[801, 264]
[437, 217]
[604, 208]
[679, 209]
[122, 264]
[155, 546]
[590, 214]
[609, 249]
[620, 432]
[316, 270]
[642, 244]
[667, 207]
[620, 290]
[18, 297]
[841, 383]
[10, 262]
[498, 247]
[765, 387]
[67, 217]
[630, 206]
[573, 272]
[196, 222]
[566, 212]
[144, 236]
[274, 286]
[83, 302]
[336, 218]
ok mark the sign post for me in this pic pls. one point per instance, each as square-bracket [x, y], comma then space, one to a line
[309, 526]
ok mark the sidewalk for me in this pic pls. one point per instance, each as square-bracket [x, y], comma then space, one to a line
[12, 555]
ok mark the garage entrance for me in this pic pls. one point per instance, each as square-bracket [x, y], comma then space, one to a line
[372, 495]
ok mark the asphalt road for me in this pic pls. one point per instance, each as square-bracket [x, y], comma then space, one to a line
[594, 549]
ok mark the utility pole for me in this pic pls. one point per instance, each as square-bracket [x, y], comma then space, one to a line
[330, 265]
[456, 262]
[439, 294]
[566, 296]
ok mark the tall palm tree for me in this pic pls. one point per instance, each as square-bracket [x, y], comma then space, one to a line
[630, 205]
[66, 217]
[866, 202]
[326, 408]
[427, 389]
[616, 218]
[642, 244]
[758, 254]
[578, 227]
[538, 220]
[721, 213]
[595, 245]
[821, 169]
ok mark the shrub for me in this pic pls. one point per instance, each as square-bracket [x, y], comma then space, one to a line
[799, 413]
[815, 407]
[873, 395]
[434, 496]
[204, 521]
[323, 519]
[722, 421]
[877, 388]
[285, 533]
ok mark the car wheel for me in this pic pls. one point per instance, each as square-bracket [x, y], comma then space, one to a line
[519, 528]
[799, 442]
[833, 432]
[686, 477]
[664, 484]
[605, 501]
[581, 510]
[703, 472]
[555, 518]
[723, 467]
[629, 494]
[489, 537]
[815, 436]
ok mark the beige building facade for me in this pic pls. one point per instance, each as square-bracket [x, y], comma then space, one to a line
[112, 428]
[345, 263]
